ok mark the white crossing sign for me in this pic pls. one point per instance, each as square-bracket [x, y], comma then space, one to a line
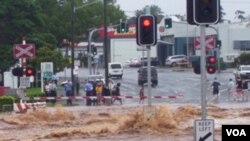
[204, 130]
[24, 82]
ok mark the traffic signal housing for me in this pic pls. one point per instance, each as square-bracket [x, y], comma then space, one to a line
[206, 11]
[146, 30]
[190, 12]
[29, 71]
[211, 64]
[123, 27]
[196, 64]
[17, 71]
[94, 50]
[168, 23]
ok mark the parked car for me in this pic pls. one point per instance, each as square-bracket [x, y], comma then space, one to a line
[115, 69]
[175, 59]
[153, 61]
[135, 62]
[242, 71]
[143, 75]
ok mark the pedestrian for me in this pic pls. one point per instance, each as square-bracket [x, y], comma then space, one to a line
[98, 90]
[230, 87]
[216, 90]
[77, 85]
[141, 94]
[68, 91]
[55, 78]
[88, 88]
[117, 93]
[52, 91]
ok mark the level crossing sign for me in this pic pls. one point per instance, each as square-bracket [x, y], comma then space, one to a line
[24, 51]
[204, 130]
[209, 43]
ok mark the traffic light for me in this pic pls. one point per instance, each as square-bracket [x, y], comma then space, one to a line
[94, 50]
[168, 23]
[218, 44]
[196, 64]
[146, 30]
[211, 64]
[190, 12]
[206, 11]
[29, 71]
[17, 71]
[123, 27]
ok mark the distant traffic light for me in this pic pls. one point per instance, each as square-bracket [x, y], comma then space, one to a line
[211, 64]
[168, 23]
[218, 44]
[17, 71]
[94, 50]
[29, 71]
[206, 11]
[146, 30]
[123, 27]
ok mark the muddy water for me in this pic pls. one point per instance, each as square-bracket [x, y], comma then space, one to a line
[102, 123]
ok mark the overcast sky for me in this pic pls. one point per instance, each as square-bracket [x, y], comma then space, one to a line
[171, 7]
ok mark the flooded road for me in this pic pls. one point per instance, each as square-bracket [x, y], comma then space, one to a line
[112, 123]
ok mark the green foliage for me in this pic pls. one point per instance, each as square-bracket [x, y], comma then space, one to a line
[34, 92]
[46, 23]
[243, 59]
[6, 100]
[46, 54]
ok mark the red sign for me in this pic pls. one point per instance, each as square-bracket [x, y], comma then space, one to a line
[209, 43]
[24, 50]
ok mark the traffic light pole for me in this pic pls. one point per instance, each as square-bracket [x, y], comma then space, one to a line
[203, 72]
[147, 11]
[149, 76]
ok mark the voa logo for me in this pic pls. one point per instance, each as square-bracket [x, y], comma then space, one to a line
[236, 132]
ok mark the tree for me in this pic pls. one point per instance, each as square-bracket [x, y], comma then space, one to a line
[240, 15]
[45, 54]
[243, 58]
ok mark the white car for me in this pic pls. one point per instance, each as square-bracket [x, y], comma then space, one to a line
[115, 69]
[175, 59]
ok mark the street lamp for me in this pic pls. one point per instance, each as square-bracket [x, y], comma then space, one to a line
[105, 42]
[73, 11]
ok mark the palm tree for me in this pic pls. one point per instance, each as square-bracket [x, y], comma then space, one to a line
[239, 15]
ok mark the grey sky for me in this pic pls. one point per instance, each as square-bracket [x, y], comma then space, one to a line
[172, 7]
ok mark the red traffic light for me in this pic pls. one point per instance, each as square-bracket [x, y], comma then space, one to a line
[29, 71]
[211, 60]
[146, 30]
[146, 22]
[211, 69]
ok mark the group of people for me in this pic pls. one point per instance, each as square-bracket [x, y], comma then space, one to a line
[50, 90]
[98, 90]
[237, 87]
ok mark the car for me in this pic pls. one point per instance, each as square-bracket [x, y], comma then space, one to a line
[175, 59]
[143, 75]
[153, 61]
[135, 62]
[115, 69]
[242, 71]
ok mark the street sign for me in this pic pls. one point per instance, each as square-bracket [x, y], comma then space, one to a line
[24, 82]
[24, 51]
[204, 130]
[47, 74]
[209, 41]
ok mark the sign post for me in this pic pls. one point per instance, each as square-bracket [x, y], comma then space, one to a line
[46, 72]
[204, 130]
